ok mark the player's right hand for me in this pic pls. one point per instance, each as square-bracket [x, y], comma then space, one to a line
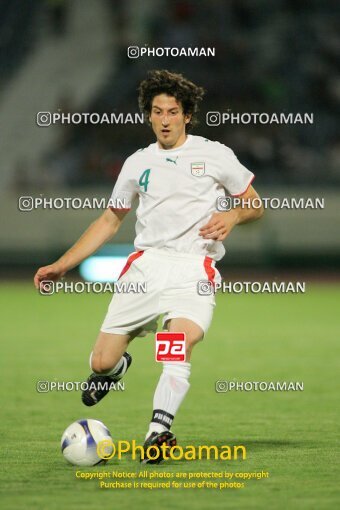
[52, 272]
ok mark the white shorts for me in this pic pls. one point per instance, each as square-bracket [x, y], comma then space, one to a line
[171, 281]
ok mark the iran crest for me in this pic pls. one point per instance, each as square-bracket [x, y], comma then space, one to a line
[197, 169]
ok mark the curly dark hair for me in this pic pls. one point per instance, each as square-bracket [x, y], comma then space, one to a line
[172, 84]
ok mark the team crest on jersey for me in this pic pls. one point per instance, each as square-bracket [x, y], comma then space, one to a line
[198, 169]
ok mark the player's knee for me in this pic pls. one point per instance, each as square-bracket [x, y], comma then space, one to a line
[192, 340]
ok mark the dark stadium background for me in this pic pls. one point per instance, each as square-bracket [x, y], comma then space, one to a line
[61, 56]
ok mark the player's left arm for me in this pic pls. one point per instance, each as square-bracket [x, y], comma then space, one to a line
[221, 223]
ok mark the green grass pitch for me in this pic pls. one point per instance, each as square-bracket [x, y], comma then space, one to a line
[293, 435]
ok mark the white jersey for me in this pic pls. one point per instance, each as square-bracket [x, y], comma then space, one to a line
[178, 191]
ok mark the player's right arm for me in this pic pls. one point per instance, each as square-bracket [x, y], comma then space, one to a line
[98, 233]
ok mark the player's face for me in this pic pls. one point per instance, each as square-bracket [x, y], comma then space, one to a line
[168, 121]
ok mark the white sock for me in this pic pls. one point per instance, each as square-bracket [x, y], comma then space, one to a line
[121, 367]
[172, 387]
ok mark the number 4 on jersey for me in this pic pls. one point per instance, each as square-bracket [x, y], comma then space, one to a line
[144, 179]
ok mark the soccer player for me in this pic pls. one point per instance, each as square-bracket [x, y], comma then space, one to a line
[178, 181]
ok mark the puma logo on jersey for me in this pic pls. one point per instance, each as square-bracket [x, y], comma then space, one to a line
[172, 160]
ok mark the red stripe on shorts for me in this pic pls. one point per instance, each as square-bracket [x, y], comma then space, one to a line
[209, 269]
[129, 261]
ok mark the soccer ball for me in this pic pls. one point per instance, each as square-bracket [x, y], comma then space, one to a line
[80, 439]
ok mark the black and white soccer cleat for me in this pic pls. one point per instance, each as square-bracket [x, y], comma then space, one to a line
[152, 447]
[99, 385]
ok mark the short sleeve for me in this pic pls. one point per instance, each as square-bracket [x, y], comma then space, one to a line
[233, 176]
[125, 189]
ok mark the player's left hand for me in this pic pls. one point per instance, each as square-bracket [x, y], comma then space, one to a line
[219, 226]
